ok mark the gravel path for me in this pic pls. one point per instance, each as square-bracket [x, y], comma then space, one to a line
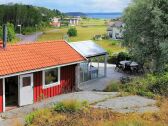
[129, 104]
[19, 113]
[28, 38]
[110, 100]
[25, 39]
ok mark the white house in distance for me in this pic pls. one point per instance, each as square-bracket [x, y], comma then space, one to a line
[74, 20]
[115, 30]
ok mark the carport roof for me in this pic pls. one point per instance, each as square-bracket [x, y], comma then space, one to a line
[88, 48]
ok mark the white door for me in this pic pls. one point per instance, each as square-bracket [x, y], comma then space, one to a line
[26, 90]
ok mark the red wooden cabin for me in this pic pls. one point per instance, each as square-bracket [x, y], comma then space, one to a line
[31, 72]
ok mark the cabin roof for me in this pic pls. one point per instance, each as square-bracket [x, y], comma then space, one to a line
[38, 55]
[88, 48]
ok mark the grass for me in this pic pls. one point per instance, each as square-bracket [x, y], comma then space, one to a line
[88, 116]
[85, 33]
[93, 22]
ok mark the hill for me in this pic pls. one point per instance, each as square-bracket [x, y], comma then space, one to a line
[76, 14]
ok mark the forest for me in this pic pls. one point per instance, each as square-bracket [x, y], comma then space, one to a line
[29, 17]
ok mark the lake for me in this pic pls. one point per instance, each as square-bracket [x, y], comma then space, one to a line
[104, 15]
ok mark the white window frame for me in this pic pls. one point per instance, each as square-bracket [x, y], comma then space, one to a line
[52, 84]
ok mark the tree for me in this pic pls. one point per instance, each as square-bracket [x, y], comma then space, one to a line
[72, 32]
[26, 15]
[11, 32]
[1, 32]
[146, 32]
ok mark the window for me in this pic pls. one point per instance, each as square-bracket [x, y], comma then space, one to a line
[51, 77]
[26, 81]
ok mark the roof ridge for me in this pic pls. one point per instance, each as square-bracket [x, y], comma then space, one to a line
[35, 42]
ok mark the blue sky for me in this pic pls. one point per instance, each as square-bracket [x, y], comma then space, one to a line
[77, 5]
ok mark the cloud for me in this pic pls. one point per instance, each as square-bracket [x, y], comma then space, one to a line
[78, 5]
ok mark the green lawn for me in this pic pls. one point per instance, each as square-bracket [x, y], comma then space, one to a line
[84, 33]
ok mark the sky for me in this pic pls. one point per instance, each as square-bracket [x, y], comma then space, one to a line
[86, 6]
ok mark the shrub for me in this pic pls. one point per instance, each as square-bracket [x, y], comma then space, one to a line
[149, 85]
[30, 117]
[1, 32]
[160, 85]
[115, 58]
[113, 43]
[72, 32]
[70, 106]
[28, 30]
[10, 30]
[114, 87]
[123, 56]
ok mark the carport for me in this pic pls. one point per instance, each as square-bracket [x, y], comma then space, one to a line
[91, 69]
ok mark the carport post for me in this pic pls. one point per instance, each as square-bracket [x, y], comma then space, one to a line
[3, 94]
[105, 65]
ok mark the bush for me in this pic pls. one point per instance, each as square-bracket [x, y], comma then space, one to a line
[123, 56]
[36, 114]
[114, 43]
[150, 86]
[72, 32]
[115, 58]
[10, 32]
[1, 32]
[70, 106]
[28, 30]
[113, 87]
[160, 85]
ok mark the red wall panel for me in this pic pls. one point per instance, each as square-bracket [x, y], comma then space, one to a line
[67, 84]
[1, 95]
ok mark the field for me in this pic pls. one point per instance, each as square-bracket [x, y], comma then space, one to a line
[93, 22]
[86, 32]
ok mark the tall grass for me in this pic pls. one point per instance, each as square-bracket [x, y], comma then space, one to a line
[70, 105]
[97, 117]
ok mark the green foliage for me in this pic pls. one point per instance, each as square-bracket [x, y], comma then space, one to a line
[72, 32]
[1, 32]
[70, 106]
[30, 117]
[160, 85]
[26, 15]
[10, 32]
[150, 86]
[146, 32]
[114, 43]
[115, 58]
[113, 87]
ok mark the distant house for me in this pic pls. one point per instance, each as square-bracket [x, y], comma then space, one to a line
[55, 22]
[115, 30]
[73, 21]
